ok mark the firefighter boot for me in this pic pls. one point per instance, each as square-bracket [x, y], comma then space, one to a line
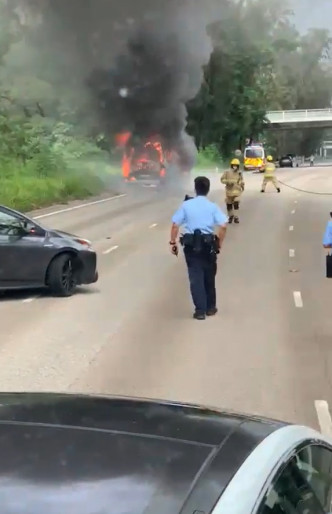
[230, 213]
[236, 213]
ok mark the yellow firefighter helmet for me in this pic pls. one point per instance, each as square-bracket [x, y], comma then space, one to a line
[269, 158]
[235, 162]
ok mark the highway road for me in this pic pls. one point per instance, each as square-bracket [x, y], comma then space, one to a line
[269, 349]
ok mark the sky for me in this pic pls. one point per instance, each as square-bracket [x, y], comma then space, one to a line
[314, 13]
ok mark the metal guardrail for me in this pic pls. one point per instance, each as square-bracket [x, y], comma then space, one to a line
[298, 116]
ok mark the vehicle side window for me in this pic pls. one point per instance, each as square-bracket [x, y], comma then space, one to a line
[315, 463]
[291, 493]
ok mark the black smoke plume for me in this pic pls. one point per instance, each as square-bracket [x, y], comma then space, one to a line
[141, 59]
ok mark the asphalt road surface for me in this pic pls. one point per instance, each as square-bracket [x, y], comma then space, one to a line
[269, 349]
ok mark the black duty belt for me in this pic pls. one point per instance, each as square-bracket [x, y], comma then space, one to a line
[200, 242]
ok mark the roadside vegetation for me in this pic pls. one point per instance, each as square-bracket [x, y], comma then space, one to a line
[49, 153]
[51, 145]
[208, 158]
[43, 162]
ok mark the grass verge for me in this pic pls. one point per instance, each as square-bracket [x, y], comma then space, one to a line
[24, 189]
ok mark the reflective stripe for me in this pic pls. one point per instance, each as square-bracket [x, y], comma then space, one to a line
[251, 481]
[269, 170]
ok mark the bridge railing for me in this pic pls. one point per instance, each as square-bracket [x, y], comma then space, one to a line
[298, 115]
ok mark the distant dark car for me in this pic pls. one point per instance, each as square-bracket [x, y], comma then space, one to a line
[286, 162]
[32, 256]
[82, 455]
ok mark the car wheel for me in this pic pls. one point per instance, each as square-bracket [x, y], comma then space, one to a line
[62, 279]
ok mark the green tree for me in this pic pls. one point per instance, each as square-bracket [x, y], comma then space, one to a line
[260, 62]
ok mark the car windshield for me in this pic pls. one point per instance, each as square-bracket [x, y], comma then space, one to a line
[254, 153]
[7, 221]
[148, 153]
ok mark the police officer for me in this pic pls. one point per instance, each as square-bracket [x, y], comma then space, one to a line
[199, 217]
[233, 180]
[269, 175]
[327, 239]
[327, 243]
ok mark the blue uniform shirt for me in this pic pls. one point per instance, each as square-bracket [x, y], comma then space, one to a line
[199, 213]
[327, 239]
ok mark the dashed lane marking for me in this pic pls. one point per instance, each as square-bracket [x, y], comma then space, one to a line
[154, 225]
[31, 299]
[110, 250]
[291, 228]
[291, 252]
[295, 201]
[298, 299]
[293, 211]
[80, 206]
[324, 417]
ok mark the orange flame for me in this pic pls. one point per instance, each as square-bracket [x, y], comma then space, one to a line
[159, 149]
[126, 163]
[122, 138]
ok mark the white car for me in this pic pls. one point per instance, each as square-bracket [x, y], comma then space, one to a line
[92, 455]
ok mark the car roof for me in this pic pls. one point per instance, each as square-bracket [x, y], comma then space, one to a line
[185, 455]
[9, 209]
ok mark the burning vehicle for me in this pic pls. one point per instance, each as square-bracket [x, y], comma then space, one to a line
[143, 160]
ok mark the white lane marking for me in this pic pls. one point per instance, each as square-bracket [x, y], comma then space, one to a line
[75, 207]
[291, 252]
[154, 225]
[324, 417]
[29, 300]
[298, 299]
[296, 201]
[106, 252]
[291, 228]
[293, 212]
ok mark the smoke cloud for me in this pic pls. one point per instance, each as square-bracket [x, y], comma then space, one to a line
[140, 59]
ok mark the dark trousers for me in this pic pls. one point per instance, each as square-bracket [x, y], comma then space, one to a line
[202, 270]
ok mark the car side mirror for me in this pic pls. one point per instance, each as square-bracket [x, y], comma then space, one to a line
[28, 229]
[34, 231]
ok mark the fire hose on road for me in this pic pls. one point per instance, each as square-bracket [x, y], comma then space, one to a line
[304, 190]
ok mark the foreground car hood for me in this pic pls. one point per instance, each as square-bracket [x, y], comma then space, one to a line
[61, 233]
[81, 454]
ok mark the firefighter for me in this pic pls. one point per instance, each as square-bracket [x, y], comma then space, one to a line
[233, 180]
[269, 174]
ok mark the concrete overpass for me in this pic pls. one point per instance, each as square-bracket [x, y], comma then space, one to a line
[309, 118]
